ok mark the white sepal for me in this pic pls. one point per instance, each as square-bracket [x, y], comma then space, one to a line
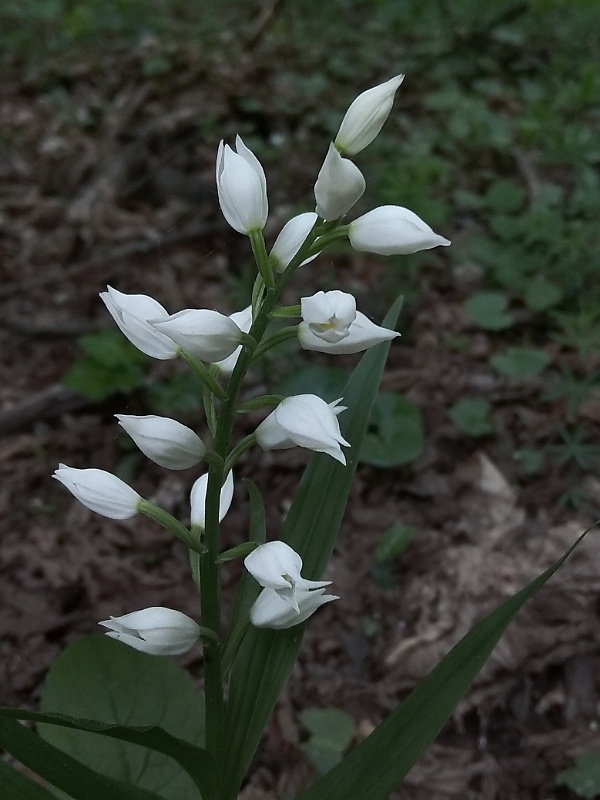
[165, 441]
[270, 610]
[198, 499]
[291, 238]
[205, 334]
[392, 230]
[243, 319]
[158, 631]
[241, 187]
[366, 117]
[100, 491]
[131, 312]
[340, 184]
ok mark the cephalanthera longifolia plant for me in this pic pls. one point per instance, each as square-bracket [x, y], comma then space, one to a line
[247, 658]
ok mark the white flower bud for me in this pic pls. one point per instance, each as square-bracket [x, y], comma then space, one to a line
[165, 441]
[131, 312]
[339, 185]
[100, 491]
[304, 420]
[242, 188]
[206, 334]
[158, 631]
[366, 117]
[392, 230]
[291, 238]
[243, 319]
[198, 499]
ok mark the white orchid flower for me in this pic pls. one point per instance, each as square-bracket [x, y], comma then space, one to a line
[366, 116]
[131, 312]
[206, 334]
[243, 319]
[331, 324]
[287, 598]
[100, 491]
[242, 187]
[158, 631]
[392, 230]
[340, 184]
[163, 440]
[291, 238]
[198, 499]
[304, 420]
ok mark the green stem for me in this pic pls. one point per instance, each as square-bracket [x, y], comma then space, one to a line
[263, 262]
[238, 451]
[203, 373]
[168, 521]
[282, 335]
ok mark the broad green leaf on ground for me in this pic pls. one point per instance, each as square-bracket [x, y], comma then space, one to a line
[266, 658]
[471, 416]
[520, 362]
[99, 679]
[19, 787]
[377, 766]
[489, 310]
[61, 770]
[584, 777]
[395, 432]
[331, 731]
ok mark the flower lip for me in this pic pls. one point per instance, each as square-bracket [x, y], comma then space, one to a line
[329, 315]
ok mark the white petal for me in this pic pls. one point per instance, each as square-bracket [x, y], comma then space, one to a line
[339, 185]
[206, 334]
[242, 188]
[366, 116]
[243, 319]
[309, 422]
[392, 230]
[165, 441]
[131, 312]
[100, 491]
[198, 499]
[271, 611]
[362, 334]
[291, 238]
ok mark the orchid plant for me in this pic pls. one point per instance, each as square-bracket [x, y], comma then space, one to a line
[248, 658]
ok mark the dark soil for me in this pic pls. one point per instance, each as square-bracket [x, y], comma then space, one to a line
[106, 179]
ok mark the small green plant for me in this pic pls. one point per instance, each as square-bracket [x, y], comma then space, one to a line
[331, 731]
[395, 432]
[584, 777]
[394, 541]
[489, 310]
[471, 416]
[520, 362]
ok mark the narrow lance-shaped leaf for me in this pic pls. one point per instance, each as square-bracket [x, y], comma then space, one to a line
[19, 787]
[375, 768]
[61, 770]
[266, 657]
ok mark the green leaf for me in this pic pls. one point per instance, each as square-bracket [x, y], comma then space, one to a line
[520, 362]
[471, 416]
[541, 294]
[395, 433]
[266, 657]
[99, 679]
[19, 787]
[375, 768]
[331, 732]
[328, 383]
[489, 310]
[584, 777]
[505, 196]
[62, 770]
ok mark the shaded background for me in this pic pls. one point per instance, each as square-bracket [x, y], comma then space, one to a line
[483, 453]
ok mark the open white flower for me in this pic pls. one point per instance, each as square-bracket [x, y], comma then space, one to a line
[291, 238]
[131, 312]
[271, 611]
[304, 420]
[243, 319]
[287, 598]
[340, 184]
[158, 631]
[366, 117]
[329, 315]
[198, 499]
[165, 441]
[100, 491]
[393, 230]
[206, 334]
[242, 187]
[331, 324]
